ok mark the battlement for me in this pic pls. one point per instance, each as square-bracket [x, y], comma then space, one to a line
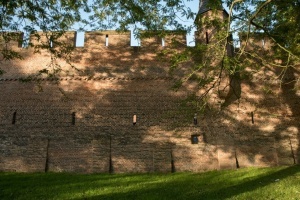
[94, 39]
[101, 52]
[257, 41]
[12, 39]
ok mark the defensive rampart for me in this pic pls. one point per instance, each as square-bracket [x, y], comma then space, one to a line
[117, 112]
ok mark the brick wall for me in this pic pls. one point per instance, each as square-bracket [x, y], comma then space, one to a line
[39, 132]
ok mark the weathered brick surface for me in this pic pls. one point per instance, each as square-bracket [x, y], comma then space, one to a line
[39, 133]
[21, 152]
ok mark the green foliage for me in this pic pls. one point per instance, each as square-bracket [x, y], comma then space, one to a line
[193, 104]
[252, 183]
[267, 89]
[177, 84]
[232, 65]
[151, 14]
[276, 21]
[8, 54]
[1, 72]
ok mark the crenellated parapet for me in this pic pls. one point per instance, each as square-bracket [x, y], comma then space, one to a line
[11, 40]
[259, 42]
[102, 51]
[94, 39]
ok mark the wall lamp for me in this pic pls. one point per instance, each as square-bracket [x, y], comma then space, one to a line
[134, 120]
[194, 139]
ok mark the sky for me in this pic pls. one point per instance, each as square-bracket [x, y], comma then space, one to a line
[192, 4]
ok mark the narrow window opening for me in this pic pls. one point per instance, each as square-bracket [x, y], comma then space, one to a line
[106, 40]
[73, 118]
[79, 41]
[25, 43]
[51, 43]
[163, 42]
[134, 39]
[263, 43]
[206, 36]
[229, 40]
[190, 39]
[230, 48]
[14, 118]
[21, 40]
[252, 117]
[195, 119]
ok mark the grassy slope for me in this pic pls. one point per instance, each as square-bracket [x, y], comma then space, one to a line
[251, 183]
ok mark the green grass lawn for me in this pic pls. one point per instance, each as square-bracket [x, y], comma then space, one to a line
[249, 183]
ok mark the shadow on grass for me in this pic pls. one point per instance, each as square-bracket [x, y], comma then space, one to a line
[210, 185]
[249, 185]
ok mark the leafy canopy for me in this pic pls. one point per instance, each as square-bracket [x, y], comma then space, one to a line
[274, 20]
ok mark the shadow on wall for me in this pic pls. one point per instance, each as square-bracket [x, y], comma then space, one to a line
[119, 59]
[86, 124]
[95, 58]
[291, 99]
[102, 137]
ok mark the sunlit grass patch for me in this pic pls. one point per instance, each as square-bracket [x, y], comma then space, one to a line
[248, 183]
